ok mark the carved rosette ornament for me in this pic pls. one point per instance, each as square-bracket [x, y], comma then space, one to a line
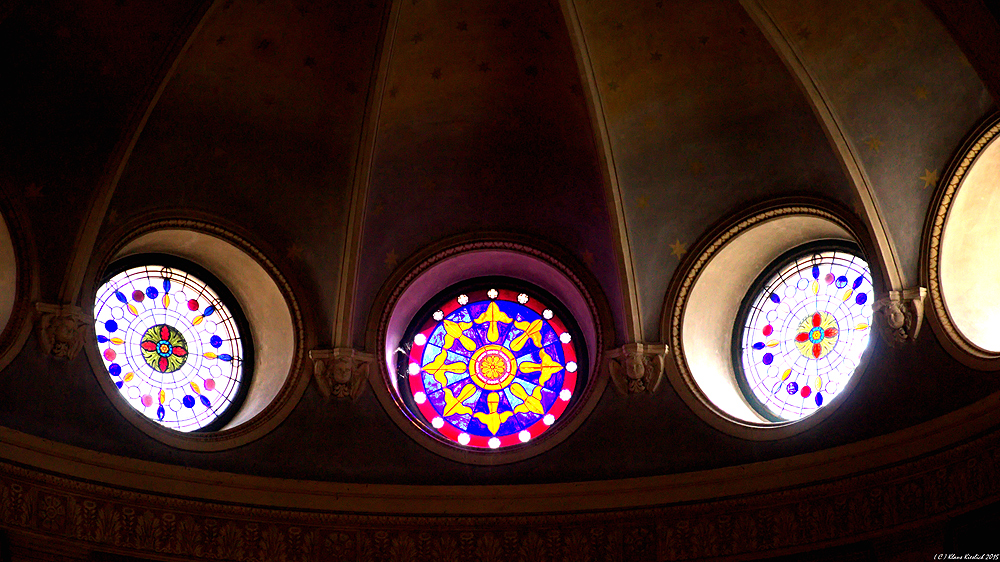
[61, 329]
[637, 367]
[341, 372]
[902, 313]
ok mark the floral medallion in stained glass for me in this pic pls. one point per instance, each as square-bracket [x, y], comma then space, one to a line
[802, 335]
[171, 345]
[491, 369]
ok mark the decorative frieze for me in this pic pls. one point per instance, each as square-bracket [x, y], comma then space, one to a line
[868, 505]
[341, 372]
[902, 314]
[61, 329]
[637, 367]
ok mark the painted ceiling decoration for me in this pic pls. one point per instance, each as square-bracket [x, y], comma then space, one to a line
[328, 177]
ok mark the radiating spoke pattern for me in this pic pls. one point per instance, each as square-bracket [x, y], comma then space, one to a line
[805, 332]
[491, 369]
[170, 345]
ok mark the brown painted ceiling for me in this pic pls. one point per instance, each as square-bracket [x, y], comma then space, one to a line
[483, 125]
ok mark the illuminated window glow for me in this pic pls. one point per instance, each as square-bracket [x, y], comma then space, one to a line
[489, 369]
[170, 345]
[802, 337]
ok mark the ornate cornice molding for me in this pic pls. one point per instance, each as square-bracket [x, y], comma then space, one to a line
[864, 504]
[955, 342]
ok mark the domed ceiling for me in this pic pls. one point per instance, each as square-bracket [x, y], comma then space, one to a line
[366, 131]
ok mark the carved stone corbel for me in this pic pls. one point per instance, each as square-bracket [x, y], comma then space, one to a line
[60, 329]
[902, 314]
[340, 373]
[637, 367]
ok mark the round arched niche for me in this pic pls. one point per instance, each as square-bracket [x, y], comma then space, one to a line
[449, 265]
[272, 314]
[704, 303]
[962, 250]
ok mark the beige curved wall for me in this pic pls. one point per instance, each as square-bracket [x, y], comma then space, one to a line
[715, 301]
[8, 275]
[970, 253]
[261, 299]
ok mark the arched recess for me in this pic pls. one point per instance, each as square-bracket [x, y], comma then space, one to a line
[18, 280]
[268, 299]
[704, 300]
[961, 247]
[449, 263]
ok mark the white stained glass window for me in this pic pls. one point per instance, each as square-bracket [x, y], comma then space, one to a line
[171, 346]
[803, 334]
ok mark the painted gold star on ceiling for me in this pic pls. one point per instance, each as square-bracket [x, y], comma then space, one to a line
[920, 93]
[656, 55]
[873, 144]
[930, 178]
[678, 248]
[391, 259]
[643, 202]
[697, 167]
[294, 252]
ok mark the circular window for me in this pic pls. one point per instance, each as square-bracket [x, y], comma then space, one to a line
[488, 366]
[802, 330]
[174, 342]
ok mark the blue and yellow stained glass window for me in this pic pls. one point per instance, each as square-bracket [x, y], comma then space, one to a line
[802, 335]
[491, 369]
[171, 346]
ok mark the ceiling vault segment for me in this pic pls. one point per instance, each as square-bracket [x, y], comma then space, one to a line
[343, 320]
[69, 291]
[599, 126]
[846, 151]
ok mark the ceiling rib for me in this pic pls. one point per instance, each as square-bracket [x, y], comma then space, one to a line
[72, 282]
[616, 209]
[842, 145]
[343, 319]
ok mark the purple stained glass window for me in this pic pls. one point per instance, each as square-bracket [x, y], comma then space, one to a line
[491, 369]
[803, 333]
[171, 346]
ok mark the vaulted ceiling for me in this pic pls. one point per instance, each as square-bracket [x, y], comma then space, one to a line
[603, 128]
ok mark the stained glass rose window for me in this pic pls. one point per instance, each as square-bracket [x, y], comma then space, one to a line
[174, 342]
[802, 331]
[491, 368]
